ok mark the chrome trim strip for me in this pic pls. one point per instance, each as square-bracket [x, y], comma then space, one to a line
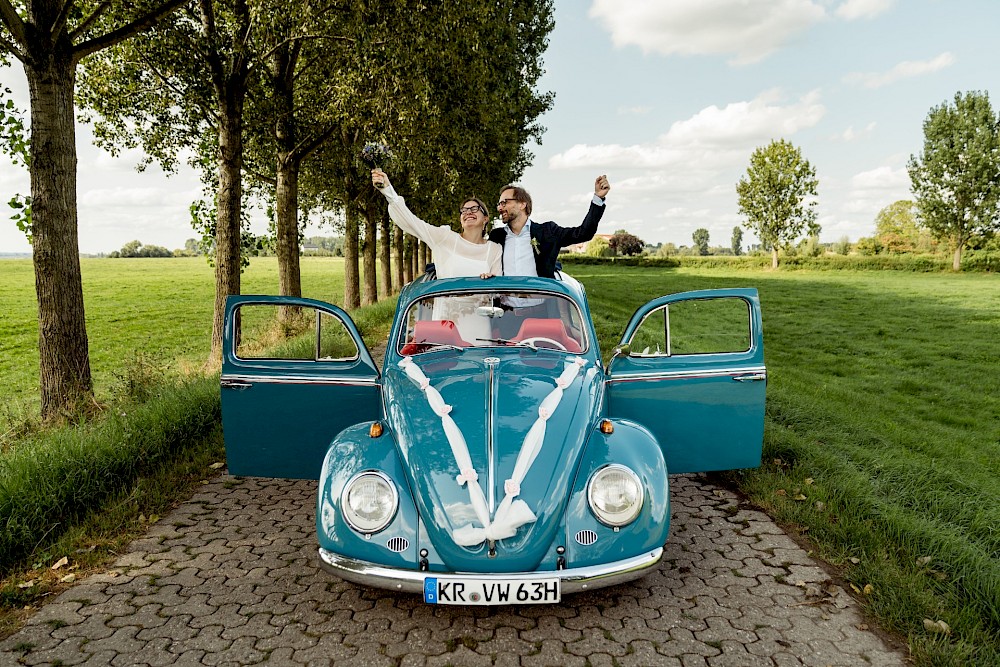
[412, 581]
[491, 395]
[686, 374]
[295, 379]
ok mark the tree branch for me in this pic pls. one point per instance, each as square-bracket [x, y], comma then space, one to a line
[61, 17]
[138, 25]
[4, 44]
[298, 38]
[89, 21]
[14, 24]
[307, 146]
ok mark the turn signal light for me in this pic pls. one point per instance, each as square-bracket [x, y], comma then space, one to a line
[376, 430]
[607, 428]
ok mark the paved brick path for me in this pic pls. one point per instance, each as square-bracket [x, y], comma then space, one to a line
[230, 578]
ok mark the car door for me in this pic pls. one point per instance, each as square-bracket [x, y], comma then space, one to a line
[690, 367]
[295, 372]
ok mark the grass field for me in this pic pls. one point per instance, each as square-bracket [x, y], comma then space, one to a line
[159, 310]
[883, 417]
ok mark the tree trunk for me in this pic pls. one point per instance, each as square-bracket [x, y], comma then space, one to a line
[956, 260]
[63, 350]
[287, 226]
[384, 250]
[369, 292]
[398, 243]
[287, 171]
[229, 201]
[352, 291]
[407, 249]
[425, 258]
[774, 257]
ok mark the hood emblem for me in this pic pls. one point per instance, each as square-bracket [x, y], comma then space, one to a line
[512, 512]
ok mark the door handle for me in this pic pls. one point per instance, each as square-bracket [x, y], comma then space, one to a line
[752, 377]
[235, 384]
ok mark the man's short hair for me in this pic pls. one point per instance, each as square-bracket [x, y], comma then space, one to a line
[520, 194]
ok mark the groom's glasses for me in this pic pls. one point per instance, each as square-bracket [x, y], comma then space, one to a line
[472, 209]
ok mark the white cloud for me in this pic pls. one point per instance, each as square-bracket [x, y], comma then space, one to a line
[851, 135]
[713, 138]
[904, 70]
[863, 9]
[881, 179]
[749, 30]
[634, 111]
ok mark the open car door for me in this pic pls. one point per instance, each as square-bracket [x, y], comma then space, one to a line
[295, 372]
[690, 367]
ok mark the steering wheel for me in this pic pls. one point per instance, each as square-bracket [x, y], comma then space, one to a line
[530, 342]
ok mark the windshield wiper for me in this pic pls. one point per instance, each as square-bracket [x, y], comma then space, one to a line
[507, 341]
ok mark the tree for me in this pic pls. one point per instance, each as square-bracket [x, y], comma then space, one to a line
[181, 87]
[737, 241]
[50, 38]
[956, 179]
[778, 195]
[624, 243]
[599, 247]
[898, 230]
[700, 238]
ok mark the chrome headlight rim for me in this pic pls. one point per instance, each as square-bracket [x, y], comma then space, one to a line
[345, 507]
[604, 518]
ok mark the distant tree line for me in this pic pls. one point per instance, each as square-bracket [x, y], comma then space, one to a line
[955, 181]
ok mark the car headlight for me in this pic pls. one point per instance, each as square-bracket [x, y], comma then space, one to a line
[369, 501]
[615, 495]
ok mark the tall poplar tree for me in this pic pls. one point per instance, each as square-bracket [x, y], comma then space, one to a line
[956, 178]
[778, 195]
[50, 38]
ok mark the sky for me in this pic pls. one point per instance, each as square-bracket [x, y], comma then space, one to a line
[669, 98]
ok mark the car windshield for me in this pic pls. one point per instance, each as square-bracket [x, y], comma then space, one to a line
[497, 318]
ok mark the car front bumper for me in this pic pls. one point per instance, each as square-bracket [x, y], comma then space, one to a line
[572, 580]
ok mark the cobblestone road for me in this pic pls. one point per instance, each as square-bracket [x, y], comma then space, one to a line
[230, 578]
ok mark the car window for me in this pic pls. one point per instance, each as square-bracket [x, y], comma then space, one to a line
[268, 331]
[694, 326]
[495, 318]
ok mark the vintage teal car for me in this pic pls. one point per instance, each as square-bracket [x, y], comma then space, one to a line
[494, 459]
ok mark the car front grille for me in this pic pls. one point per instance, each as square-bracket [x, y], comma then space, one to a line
[586, 537]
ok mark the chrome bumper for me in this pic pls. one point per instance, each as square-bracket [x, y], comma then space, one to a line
[412, 581]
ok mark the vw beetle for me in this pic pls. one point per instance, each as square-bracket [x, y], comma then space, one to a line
[493, 459]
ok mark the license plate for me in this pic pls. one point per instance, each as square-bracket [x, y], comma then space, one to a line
[442, 590]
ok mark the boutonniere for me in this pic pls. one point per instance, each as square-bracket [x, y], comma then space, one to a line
[534, 246]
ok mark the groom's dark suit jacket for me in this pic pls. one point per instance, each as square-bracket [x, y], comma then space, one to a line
[551, 238]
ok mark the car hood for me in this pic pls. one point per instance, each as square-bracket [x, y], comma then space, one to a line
[495, 399]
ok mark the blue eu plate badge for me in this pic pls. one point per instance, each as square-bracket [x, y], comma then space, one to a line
[431, 590]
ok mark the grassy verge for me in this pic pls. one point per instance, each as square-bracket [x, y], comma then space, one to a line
[882, 435]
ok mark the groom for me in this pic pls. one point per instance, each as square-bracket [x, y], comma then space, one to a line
[530, 248]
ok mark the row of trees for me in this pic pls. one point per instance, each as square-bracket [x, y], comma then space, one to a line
[271, 99]
[955, 182]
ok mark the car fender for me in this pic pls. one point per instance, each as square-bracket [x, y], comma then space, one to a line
[353, 451]
[632, 445]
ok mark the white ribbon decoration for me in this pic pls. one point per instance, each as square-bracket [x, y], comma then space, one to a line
[511, 514]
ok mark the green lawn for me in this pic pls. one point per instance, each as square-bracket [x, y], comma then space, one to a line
[158, 308]
[883, 414]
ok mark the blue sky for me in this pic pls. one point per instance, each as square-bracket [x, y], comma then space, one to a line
[669, 98]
